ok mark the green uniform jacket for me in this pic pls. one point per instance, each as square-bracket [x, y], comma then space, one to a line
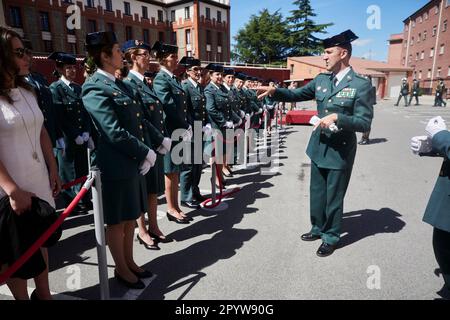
[217, 106]
[154, 116]
[438, 210]
[234, 101]
[404, 91]
[74, 118]
[173, 98]
[255, 105]
[196, 103]
[351, 100]
[118, 117]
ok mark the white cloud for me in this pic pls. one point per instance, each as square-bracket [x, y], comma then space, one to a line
[361, 42]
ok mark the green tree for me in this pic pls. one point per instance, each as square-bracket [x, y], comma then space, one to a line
[301, 29]
[263, 40]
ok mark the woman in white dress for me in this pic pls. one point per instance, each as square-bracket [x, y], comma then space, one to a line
[27, 165]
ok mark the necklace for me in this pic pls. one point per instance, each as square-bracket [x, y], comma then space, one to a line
[34, 148]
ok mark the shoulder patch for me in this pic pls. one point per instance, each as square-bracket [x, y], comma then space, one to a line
[360, 76]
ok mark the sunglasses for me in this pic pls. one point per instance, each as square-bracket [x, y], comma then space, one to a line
[195, 69]
[21, 52]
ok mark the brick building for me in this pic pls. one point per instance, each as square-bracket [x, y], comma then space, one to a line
[200, 28]
[426, 44]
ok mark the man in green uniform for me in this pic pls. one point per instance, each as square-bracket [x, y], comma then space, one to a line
[415, 92]
[345, 106]
[75, 124]
[404, 91]
[196, 112]
[441, 93]
[437, 212]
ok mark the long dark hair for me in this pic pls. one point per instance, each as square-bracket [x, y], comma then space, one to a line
[8, 68]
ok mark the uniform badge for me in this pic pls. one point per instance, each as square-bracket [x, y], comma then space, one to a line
[325, 90]
[347, 93]
[318, 88]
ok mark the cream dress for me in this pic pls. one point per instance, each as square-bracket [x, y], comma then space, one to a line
[17, 146]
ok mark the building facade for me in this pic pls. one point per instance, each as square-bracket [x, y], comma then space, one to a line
[200, 28]
[426, 44]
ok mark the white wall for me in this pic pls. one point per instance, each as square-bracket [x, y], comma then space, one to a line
[395, 83]
[179, 11]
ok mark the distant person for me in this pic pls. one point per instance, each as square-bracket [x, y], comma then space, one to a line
[404, 91]
[441, 94]
[415, 91]
[365, 139]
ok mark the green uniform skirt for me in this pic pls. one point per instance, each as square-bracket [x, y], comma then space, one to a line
[155, 177]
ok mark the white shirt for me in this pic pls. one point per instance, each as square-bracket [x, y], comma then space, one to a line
[215, 85]
[341, 75]
[107, 74]
[194, 83]
[138, 75]
[226, 86]
[66, 82]
[167, 71]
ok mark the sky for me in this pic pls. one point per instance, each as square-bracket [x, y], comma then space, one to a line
[345, 14]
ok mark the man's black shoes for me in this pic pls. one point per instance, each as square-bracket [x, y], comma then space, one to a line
[190, 204]
[326, 250]
[310, 237]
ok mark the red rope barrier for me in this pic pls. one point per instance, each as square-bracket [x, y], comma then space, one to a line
[42, 239]
[74, 183]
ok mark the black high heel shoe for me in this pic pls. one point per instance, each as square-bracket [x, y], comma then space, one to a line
[159, 239]
[179, 221]
[146, 245]
[138, 285]
[143, 275]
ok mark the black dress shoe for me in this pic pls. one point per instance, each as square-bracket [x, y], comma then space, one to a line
[139, 285]
[326, 250]
[179, 221]
[310, 237]
[190, 204]
[159, 239]
[143, 275]
[146, 245]
[34, 296]
[200, 198]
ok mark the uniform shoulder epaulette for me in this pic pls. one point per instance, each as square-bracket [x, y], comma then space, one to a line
[361, 76]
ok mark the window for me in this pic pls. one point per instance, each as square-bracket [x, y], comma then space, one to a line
[432, 53]
[127, 8]
[425, 15]
[208, 37]
[420, 74]
[436, 9]
[48, 46]
[174, 38]
[291, 69]
[144, 12]
[172, 16]
[219, 39]
[110, 26]
[444, 25]
[419, 37]
[188, 36]
[429, 73]
[412, 41]
[45, 21]
[90, 3]
[146, 36]
[434, 31]
[414, 23]
[424, 35]
[92, 26]
[439, 70]
[15, 17]
[442, 49]
[187, 13]
[448, 72]
[161, 36]
[219, 16]
[128, 33]
[208, 13]
[422, 55]
[419, 19]
[108, 5]
[417, 56]
[410, 59]
[160, 16]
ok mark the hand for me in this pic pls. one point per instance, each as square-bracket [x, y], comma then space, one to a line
[85, 136]
[263, 92]
[55, 182]
[20, 200]
[247, 117]
[91, 144]
[60, 144]
[229, 125]
[167, 143]
[151, 157]
[239, 123]
[326, 122]
[242, 114]
[435, 125]
[260, 111]
[145, 167]
[79, 140]
[421, 144]
[187, 135]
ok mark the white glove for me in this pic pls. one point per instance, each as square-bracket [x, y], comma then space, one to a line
[85, 136]
[91, 144]
[333, 128]
[187, 135]
[162, 150]
[247, 117]
[421, 144]
[60, 144]
[242, 113]
[207, 130]
[260, 111]
[79, 140]
[165, 146]
[229, 125]
[238, 124]
[435, 125]
[148, 162]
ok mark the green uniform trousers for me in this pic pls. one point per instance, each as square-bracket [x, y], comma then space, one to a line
[441, 246]
[327, 192]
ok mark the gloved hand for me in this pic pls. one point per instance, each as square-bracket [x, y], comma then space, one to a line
[247, 117]
[421, 144]
[85, 136]
[242, 114]
[333, 128]
[238, 124]
[435, 125]
[148, 162]
[229, 125]
[60, 144]
[91, 144]
[79, 140]
[260, 111]
[187, 135]
[167, 143]
[207, 130]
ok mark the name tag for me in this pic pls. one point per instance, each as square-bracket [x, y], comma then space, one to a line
[347, 93]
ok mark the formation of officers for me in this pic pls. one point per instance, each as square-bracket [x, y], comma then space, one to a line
[414, 92]
[131, 121]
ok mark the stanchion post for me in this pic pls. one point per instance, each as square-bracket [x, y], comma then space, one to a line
[213, 181]
[246, 138]
[265, 128]
[100, 235]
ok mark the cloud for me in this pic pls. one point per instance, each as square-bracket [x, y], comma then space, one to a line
[361, 42]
